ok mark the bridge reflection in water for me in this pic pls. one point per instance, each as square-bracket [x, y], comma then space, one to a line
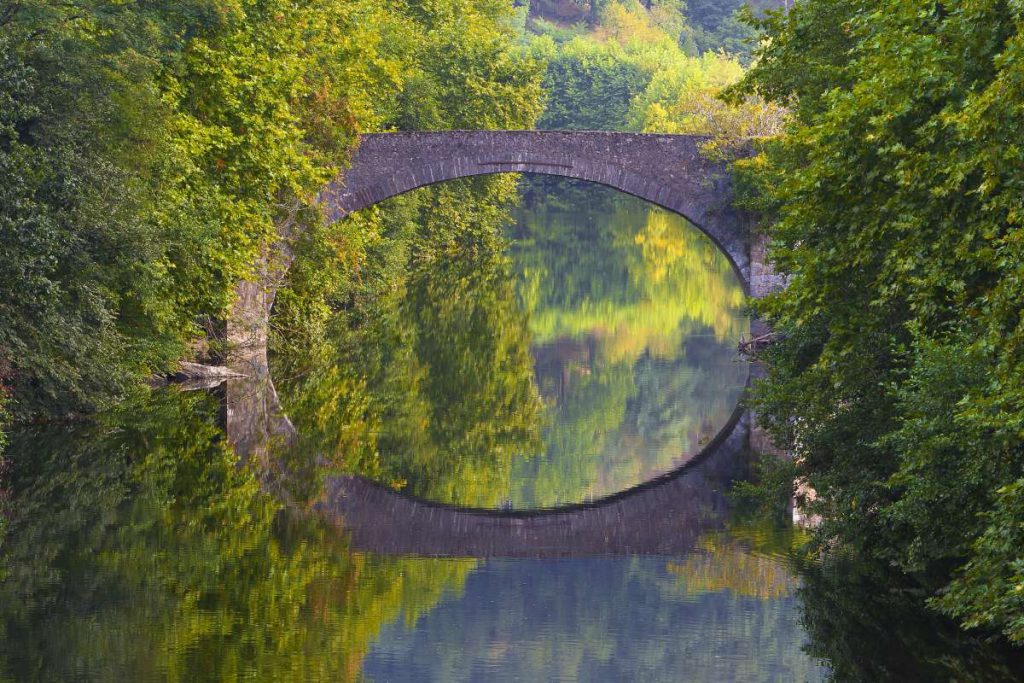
[665, 516]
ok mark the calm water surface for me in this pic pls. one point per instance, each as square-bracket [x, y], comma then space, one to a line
[277, 531]
[634, 318]
[594, 352]
[607, 619]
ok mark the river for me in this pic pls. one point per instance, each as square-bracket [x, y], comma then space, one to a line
[516, 470]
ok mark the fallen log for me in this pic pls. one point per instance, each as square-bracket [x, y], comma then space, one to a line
[751, 347]
[192, 376]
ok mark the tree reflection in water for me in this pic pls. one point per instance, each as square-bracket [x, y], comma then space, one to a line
[871, 625]
[141, 548]
[138, 550]
[597, 354]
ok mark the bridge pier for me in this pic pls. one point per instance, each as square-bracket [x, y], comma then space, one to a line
[763, 278]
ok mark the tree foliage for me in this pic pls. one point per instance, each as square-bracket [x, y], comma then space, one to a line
[896, 207]
[722, 25]
[149, 155]
[630, 73]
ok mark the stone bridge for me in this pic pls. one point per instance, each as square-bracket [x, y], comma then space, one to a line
[663, 517]
[667, 170]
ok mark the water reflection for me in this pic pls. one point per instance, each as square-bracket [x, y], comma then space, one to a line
[138, 550]
[142, 548]
[233, 535]
[593, 354]
[539, 621]
[869, 624]
[634, 316]
[666, 517]
[434, 397]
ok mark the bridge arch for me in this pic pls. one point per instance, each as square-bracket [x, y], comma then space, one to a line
[667, 170]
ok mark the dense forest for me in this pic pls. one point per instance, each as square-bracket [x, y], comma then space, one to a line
[151, 153]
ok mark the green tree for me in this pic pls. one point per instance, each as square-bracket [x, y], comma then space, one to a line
[896, 214]
[151, 154]
[717, 26]
[147, 154]
[589, 85]
[630, 73]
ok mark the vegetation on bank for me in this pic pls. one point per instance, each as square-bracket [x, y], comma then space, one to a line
[895, 208]
[149, 153]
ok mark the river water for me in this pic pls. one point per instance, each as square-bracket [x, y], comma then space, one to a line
[314, 528]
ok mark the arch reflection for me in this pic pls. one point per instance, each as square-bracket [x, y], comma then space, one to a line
[580, 349]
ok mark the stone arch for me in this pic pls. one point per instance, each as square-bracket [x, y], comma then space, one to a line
[667, 170]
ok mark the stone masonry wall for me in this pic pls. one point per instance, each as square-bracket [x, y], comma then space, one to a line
[667, 170]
